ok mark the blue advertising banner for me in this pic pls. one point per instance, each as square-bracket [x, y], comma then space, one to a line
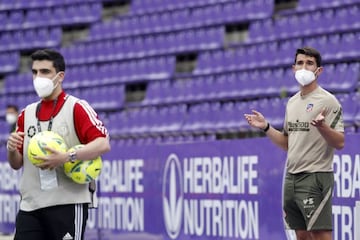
[209, 190]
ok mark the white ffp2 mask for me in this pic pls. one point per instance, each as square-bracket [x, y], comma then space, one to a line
[11, 118]
[44, 86]
[304, 77]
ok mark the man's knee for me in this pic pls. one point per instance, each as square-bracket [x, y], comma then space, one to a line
[303, 235]
[321, 235]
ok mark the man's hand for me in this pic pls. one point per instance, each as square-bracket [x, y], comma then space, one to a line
[256, 119]
[319, 120]
[15, 141]
[53, 160]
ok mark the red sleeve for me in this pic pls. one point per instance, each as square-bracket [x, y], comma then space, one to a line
[87, 124]
[20, 126]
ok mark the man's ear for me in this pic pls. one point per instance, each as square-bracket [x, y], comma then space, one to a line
[319, 70]
[62, 76]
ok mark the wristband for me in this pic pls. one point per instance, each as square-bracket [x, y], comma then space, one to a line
[267, 127]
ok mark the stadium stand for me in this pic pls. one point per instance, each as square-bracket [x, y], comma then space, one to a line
[130, 64]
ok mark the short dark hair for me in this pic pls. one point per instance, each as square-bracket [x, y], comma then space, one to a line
[51, 55]
[12, 106]
[309, 51]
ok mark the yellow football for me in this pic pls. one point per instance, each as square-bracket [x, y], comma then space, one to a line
[83, 171]
[39, 141]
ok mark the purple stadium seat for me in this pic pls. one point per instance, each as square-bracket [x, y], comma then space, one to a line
[334, 45]
[59, 16]
[357, 114]
[256, 31]
[278, 107]
[226, 118]
[280, 26]
[197, 88]
[349, 46]
[117, 122]
[290, 84]
[291, 29]
[31, 37]
[179, 18]
[203, 117]
[204, 60]
[152, 121]
[327, 78]
[306, 4]
[350, 74]
[192, 121]
[240, 123]
[268, 83]
[92, 11]
[9, 61]
[313, 18]
[154, 93]
[170, 118]
[3, 20]
[15, 19]
[353, 13]
[34, 18]
[349, 103]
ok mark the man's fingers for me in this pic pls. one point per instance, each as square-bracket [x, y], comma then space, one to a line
[255, 112]
[323, 112]
[49, 149]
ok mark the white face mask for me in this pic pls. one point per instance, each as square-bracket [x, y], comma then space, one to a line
[304, 77]
[11, 118]
[44, 86]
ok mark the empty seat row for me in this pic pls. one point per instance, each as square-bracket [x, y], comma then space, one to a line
[147, 121]
[101, 98]
[29, 4]
[140, 46]
[151, 140]
[96, 74]
[342, 77]
[18, 83]
[211, 117]
[351, 108]
[30, 39]
[3, 103]
[330, 20]
[50, 16]
[9, 62]
[121, 71]
[4, 131]
[146, 6]
[205, 117]
[21, 100]
[305, 5]
[227, 12]
[334, 47]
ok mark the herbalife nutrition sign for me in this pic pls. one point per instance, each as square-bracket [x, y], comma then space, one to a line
[212, 190]
[189, 182]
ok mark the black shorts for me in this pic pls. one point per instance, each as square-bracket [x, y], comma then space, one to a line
[307, 200]
[63, 222]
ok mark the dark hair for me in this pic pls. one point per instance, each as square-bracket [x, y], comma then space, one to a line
[51, 55]
[13, 106]
[309, 51]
